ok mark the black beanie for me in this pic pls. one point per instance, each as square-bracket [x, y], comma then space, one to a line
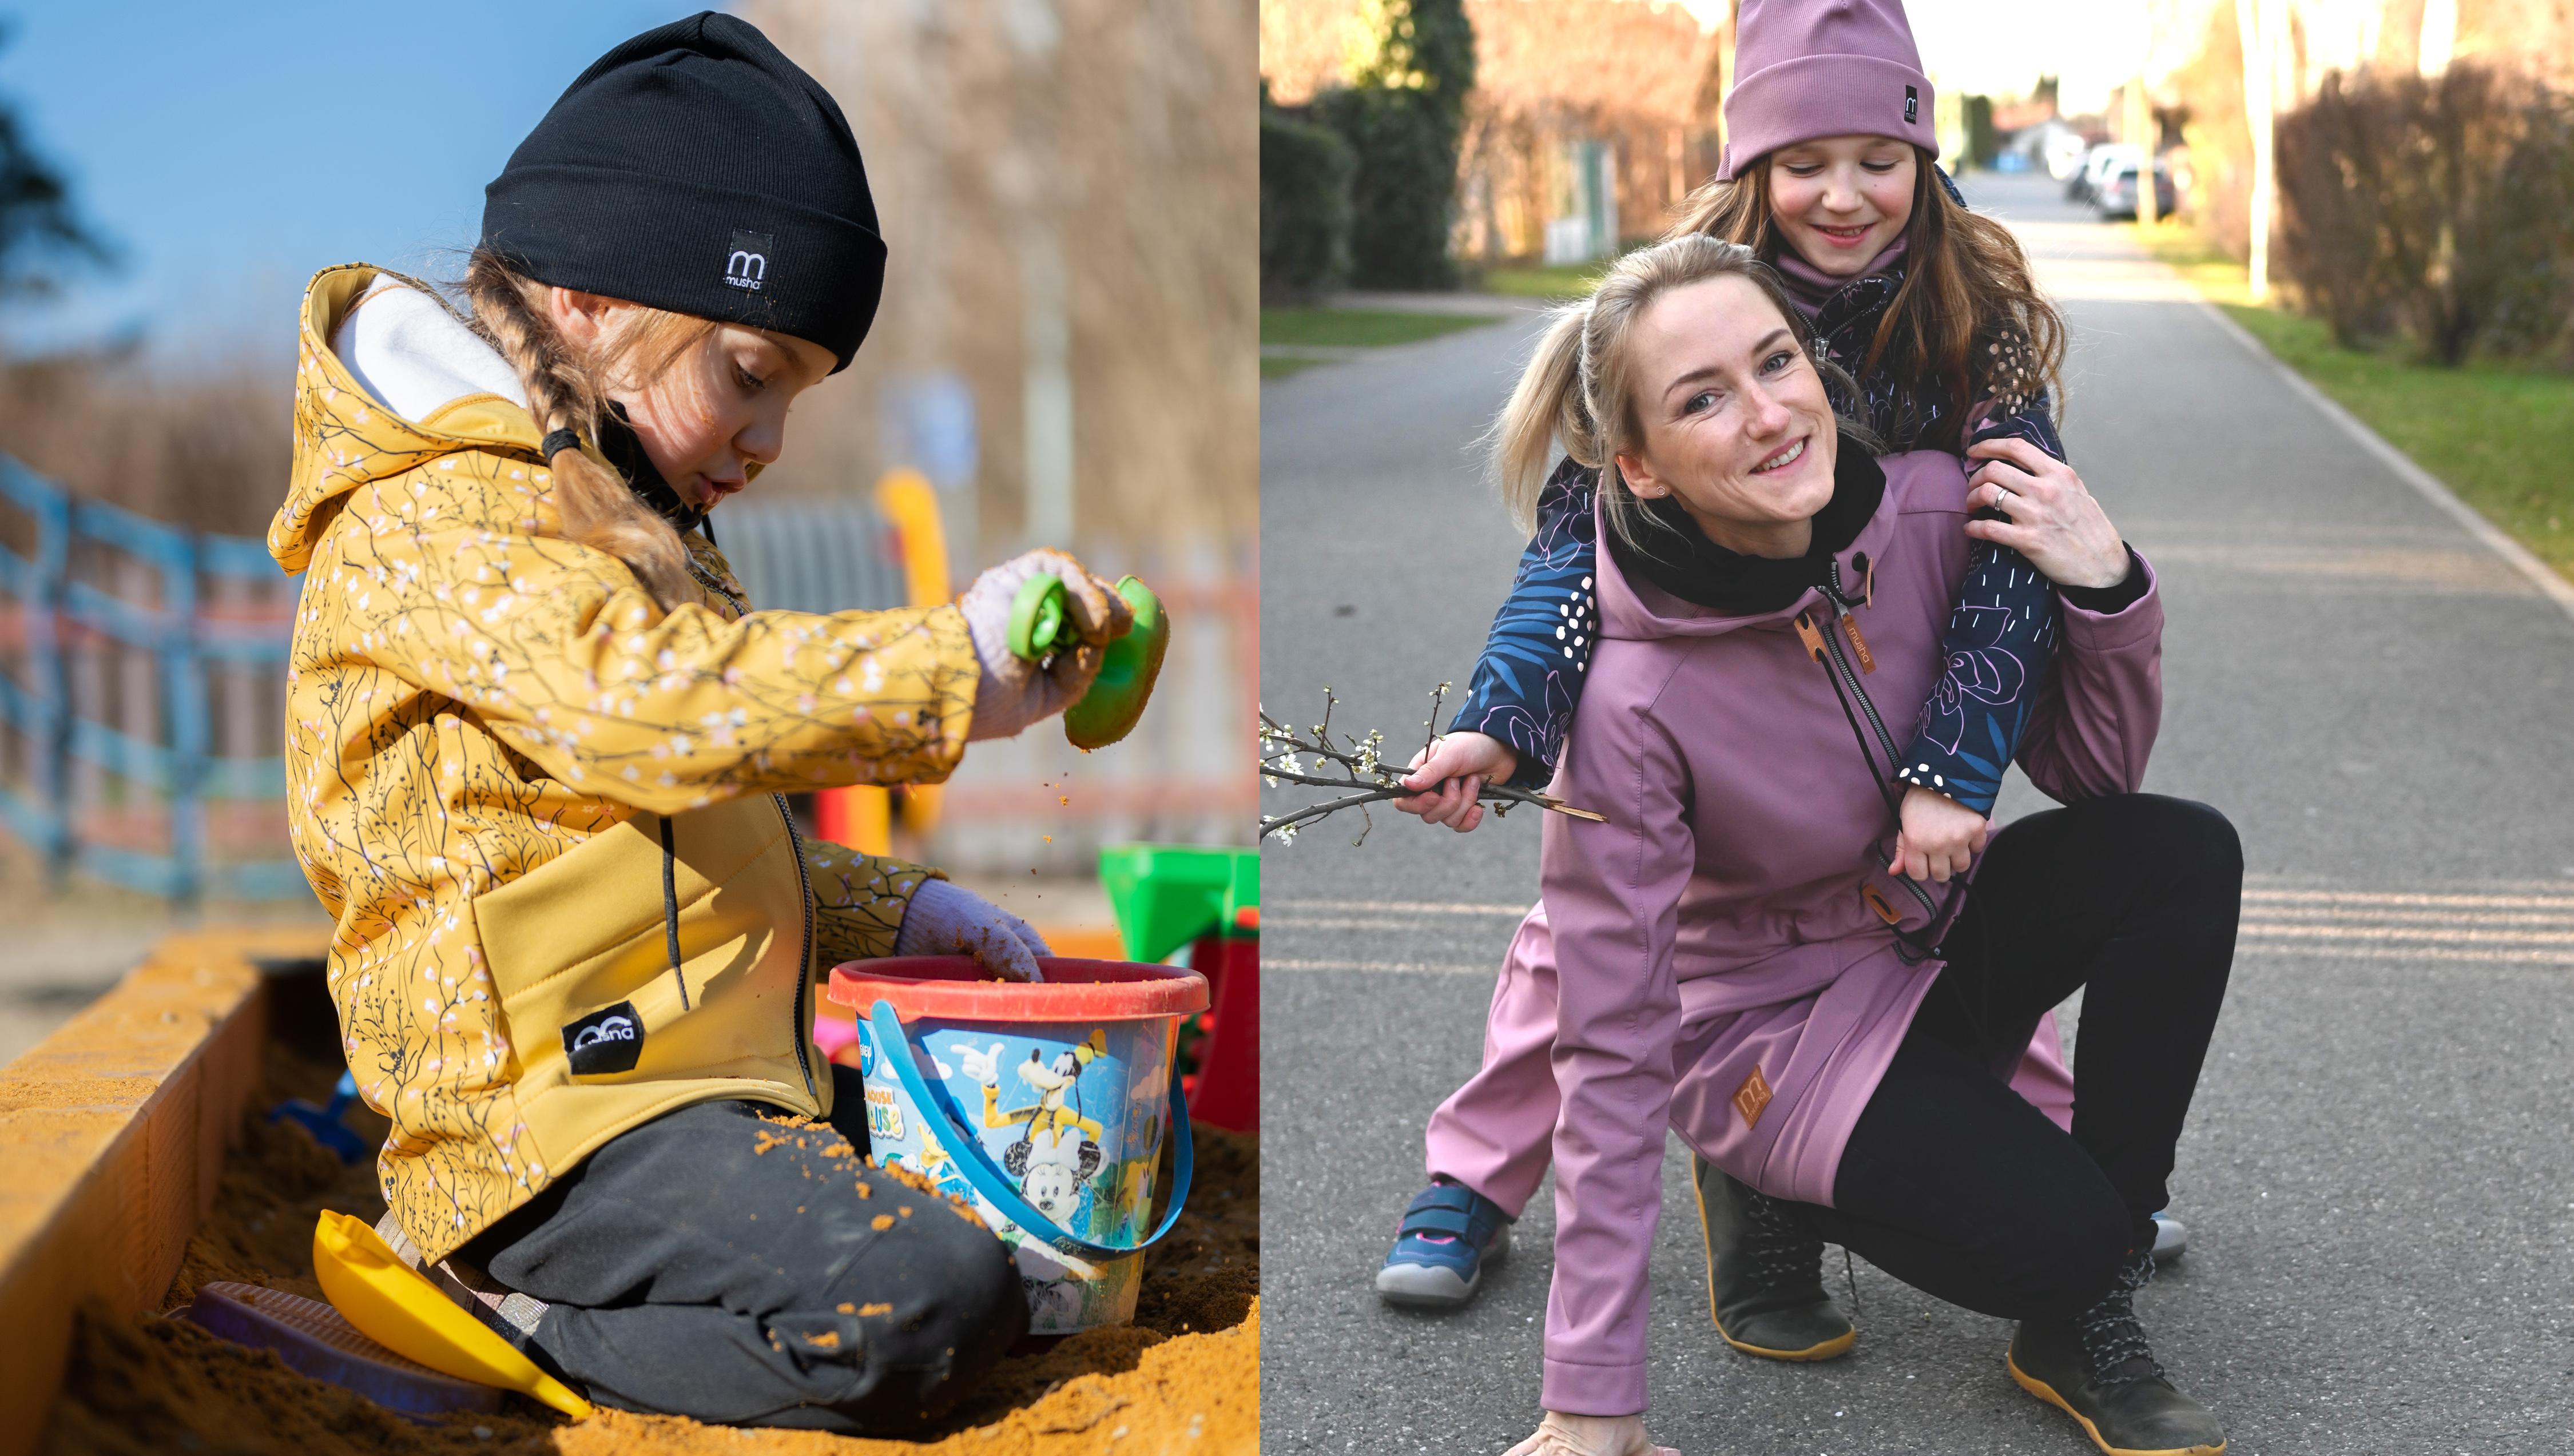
[696, 169]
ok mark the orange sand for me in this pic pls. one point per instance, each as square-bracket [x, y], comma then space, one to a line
[1184, 1378]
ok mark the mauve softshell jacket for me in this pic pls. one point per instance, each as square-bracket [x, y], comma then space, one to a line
[1713, 925]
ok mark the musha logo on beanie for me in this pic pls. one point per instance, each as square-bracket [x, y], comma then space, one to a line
[747, 265]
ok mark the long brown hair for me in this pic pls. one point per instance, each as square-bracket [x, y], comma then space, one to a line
[568, 390]
[1969, 316]
[1578, 388]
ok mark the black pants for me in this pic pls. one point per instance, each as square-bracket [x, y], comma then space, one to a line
[717, 1264]
[1952, 1183]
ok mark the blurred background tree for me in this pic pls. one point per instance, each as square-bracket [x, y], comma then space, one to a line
[1305, 174]
[1410, 69]
[43, 240]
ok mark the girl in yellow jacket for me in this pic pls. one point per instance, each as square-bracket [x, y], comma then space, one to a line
[535, 742]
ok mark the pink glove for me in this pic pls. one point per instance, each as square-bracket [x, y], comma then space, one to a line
[944, 920]
[1014, 692]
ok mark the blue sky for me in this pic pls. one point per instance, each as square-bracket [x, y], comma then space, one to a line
[230, 149]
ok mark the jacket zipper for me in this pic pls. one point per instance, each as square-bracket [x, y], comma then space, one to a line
[1831, 591]
[803, 1027]
[1841, 609]
[803, 967]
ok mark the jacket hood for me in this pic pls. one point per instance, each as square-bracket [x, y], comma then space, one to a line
[346, 438]
[1633, 609]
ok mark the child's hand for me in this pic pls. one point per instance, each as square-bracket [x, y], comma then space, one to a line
[1941, 836]
[947, 919]
[1011, 693]
[1454, 768]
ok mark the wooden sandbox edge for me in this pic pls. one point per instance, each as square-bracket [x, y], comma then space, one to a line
[112, 1137]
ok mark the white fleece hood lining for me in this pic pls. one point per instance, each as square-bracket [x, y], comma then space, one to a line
[415, 357]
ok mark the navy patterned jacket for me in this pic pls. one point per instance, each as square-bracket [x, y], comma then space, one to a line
[2000, 641]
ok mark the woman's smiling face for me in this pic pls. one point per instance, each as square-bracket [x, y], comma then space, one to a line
[1733, 418]
[1840, 201]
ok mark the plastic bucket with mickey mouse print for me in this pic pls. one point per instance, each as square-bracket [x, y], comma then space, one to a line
[1044, 1105]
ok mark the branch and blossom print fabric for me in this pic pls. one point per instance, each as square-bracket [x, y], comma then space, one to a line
[1999, 645]
[469, 697]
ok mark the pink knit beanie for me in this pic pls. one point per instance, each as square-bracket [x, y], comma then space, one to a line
[1805, 69]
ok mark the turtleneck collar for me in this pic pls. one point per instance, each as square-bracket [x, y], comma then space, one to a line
[1683, 561]
[1811, 287]
[625, 450]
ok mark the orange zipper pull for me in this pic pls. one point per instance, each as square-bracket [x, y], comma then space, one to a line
[1814, 639]
[1849, 624]
[1876, 902]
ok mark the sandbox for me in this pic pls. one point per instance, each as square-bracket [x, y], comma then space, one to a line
[140, 1168]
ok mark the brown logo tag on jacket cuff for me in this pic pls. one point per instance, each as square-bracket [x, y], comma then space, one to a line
[1751, 1097]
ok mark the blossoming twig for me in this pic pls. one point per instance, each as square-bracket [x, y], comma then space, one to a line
[1357, 763]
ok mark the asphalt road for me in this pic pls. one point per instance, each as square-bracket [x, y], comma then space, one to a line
[2377, 1171]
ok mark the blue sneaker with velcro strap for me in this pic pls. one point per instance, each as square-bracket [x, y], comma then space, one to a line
[1449, 1235]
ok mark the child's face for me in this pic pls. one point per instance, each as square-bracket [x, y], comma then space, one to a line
[718, 413]
[1840, 201]
[1736, 425]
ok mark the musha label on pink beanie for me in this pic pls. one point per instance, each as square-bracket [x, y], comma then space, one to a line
[1807, 69]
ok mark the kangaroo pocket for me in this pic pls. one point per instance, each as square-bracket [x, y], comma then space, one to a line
[606, 1033]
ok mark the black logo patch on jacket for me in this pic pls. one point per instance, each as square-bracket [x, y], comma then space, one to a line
[604, 1041]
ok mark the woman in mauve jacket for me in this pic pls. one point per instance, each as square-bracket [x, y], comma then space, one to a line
[1730, 956]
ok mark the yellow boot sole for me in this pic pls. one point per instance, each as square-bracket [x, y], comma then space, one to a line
[1832, 1348]
[2047, 1392]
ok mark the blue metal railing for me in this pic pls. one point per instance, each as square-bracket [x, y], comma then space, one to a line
[63, 615]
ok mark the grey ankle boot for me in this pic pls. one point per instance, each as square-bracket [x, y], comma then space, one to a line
[2096, 1368]
[1764, 1276]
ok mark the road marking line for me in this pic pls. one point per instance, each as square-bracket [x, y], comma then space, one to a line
[2407, 932]
[1403, 907]
[2412, 953]
[2329, 915]
[2363, 897]
[1407, 968]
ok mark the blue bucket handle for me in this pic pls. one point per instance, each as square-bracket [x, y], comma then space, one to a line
[986, 1176]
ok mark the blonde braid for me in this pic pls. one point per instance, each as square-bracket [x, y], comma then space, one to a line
[592, 502]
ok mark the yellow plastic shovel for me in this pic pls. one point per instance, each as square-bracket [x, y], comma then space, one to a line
[395, 1305]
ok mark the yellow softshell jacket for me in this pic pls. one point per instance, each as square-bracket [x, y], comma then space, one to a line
[486, 728]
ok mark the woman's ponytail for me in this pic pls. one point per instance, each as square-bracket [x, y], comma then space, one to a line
[1547, 404]
[593, 503]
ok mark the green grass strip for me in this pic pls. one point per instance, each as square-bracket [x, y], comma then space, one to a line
[1359, 328]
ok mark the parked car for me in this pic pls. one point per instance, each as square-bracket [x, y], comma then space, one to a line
[2096, 163]
[2117, 196]
[2064, 149]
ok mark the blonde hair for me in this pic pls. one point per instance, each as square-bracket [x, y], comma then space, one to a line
[568, 390]
[1578, 388]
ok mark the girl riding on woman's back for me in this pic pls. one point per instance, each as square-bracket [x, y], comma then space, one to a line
[538, 745]
[1929, 333]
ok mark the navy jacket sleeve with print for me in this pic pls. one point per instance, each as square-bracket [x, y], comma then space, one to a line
[1530, 674]
[2000, 643]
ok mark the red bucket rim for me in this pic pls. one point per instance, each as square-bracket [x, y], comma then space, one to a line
[958, 988]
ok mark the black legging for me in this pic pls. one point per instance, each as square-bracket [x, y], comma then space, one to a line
[1952, 1183]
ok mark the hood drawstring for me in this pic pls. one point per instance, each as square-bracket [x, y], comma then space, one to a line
[670, 907]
